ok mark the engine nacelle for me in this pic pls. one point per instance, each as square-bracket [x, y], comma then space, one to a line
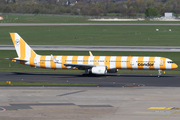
[99, 70]
[113, 71]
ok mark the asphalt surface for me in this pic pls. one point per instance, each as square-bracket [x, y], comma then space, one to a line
[82, 24]
[89, 103]
[109, 80]
[97, 48]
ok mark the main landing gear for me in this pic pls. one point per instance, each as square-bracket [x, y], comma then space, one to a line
[87, 73]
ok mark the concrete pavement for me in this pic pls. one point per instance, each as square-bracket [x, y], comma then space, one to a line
[97, 48]
[93, 103]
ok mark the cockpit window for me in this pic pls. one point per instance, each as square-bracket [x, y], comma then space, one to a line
[170, 62]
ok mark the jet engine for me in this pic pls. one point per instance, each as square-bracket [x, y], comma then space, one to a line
[99, 70]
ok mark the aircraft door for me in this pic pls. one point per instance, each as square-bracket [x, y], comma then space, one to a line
[60, 60]
[161, 62]
[131, 61]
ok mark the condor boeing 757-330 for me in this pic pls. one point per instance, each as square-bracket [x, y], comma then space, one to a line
[91, 64]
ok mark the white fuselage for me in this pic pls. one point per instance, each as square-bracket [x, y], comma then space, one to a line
[111, 62]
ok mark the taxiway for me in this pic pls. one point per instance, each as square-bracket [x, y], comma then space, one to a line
[109, 80]
[97, 48]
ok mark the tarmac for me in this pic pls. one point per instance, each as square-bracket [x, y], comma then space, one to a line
[89, 103]
[116, 97]
[97, 48]
[108, 80]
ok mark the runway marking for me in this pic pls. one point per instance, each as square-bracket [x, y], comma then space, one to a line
[3, 109]
[168, 115]
[28, 106]
[165, 108]
[161, 111]
[72, 93]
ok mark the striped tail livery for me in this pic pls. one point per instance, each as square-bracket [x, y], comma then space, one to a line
[91, 64]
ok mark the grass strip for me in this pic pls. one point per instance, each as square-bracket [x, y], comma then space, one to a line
[51, 18]
[39, 70]
[95, 35]
[45, 84]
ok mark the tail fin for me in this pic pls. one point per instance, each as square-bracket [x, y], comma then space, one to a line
[24, 51]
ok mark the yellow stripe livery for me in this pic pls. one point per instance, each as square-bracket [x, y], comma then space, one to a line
[91, 64]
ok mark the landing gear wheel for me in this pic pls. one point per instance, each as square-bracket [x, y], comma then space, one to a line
[90, 73]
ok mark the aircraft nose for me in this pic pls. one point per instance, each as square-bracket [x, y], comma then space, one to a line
[174, 66]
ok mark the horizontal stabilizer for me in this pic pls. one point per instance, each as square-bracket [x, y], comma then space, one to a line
[16, 59]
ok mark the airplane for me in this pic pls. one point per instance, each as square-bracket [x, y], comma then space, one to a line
[91, 64]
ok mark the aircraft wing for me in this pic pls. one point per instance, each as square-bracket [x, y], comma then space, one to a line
[80, 66]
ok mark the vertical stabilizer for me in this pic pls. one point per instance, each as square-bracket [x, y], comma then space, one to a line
[24, 51]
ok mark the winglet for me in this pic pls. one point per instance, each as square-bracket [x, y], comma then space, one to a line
[54, 60]
[90, 53]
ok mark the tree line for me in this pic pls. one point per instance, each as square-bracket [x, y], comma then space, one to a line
[92, 7]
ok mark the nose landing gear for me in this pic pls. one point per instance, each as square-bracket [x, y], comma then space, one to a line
[159, 74]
